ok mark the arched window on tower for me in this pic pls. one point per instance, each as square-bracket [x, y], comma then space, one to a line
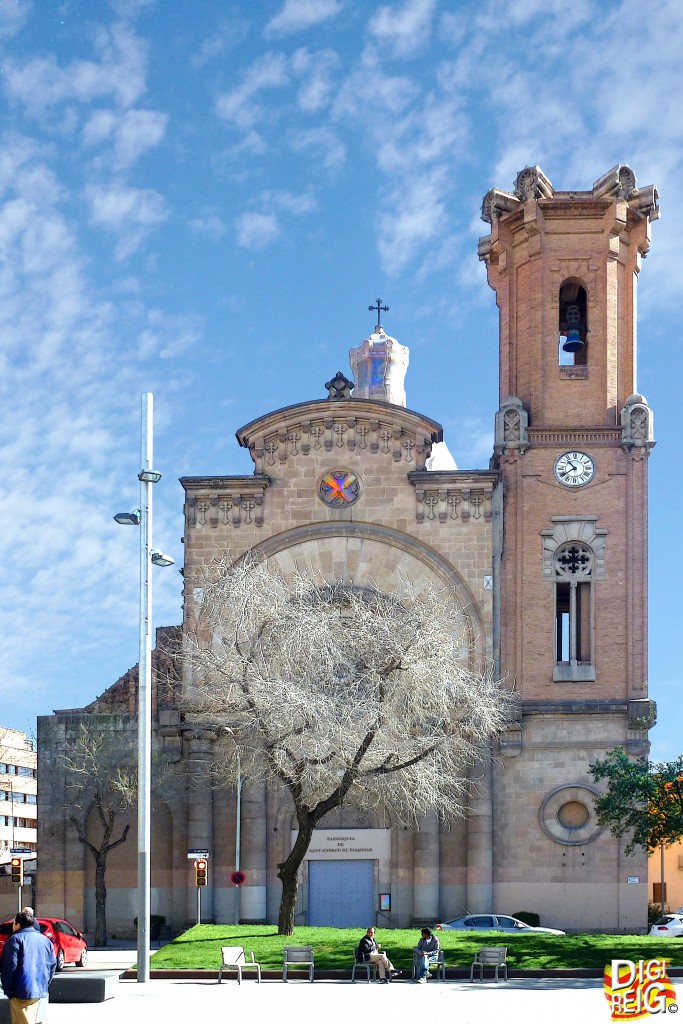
[573, 324]
[573, 572]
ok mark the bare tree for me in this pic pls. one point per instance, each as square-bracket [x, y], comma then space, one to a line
[339, 692]
[102, 777]
[100, 774]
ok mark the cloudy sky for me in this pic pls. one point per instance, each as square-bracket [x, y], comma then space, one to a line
[200, 198]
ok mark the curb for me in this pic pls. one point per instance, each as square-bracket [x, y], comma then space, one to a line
[452, 974]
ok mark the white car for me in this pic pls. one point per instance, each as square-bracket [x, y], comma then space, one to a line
[494, 923]
[669, 926]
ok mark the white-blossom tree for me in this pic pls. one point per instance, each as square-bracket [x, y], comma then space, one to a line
[338, 692]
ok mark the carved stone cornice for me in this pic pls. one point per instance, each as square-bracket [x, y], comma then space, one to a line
[224, 500]
[453, 495]
[347, 425]
[573, 437]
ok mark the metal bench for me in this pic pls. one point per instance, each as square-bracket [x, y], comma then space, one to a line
[299, 957]
[363, 965]
[494, 957]
[233, 958]
[439, 964]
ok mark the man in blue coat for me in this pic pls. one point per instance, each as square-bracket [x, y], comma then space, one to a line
[27, 966]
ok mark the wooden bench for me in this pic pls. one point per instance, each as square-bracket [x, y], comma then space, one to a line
[299, 957]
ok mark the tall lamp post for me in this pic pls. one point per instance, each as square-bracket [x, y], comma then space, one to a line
[142, 517]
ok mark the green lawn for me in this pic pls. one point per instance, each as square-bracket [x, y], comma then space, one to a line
[200, 947]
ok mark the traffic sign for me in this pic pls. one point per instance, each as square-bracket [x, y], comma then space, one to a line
[238, 877]
[194, 854]
[22, 851]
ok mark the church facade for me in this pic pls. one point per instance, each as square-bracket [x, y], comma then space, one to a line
[545, 552]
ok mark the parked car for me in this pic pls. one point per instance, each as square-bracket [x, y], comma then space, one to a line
[669, 926]
[494, 923]
[69, 945]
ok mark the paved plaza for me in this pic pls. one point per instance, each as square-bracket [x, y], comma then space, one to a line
[557, 1001]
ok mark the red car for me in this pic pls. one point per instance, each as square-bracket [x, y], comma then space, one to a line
[69, 945]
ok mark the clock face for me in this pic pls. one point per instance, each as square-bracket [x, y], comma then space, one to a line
[574, 469]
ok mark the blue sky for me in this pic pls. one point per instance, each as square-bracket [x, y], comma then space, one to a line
[201, 198]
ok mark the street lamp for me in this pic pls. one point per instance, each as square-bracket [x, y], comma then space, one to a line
[142, 517]
[238, 821]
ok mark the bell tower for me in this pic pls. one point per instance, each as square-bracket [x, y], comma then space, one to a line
[570, 577]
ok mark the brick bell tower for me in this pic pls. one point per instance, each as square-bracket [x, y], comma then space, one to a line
[571, 445]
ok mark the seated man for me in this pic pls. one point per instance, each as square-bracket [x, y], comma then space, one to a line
[426, 952]
[369, 952]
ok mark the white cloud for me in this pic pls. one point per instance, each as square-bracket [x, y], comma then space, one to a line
[325, 144]
[40, 83]
[371, 91]
[13, 17]
[169, 336]
[70, 377]
[297, 15]
[404, 29]
[236, 107]
[229, 34]
[131, 131]
[289, 201]
[316, 69]
[130, 213]
[256, 230]
[416, 215]
[210, 225]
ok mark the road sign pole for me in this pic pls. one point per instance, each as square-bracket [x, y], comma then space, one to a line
[199, 905]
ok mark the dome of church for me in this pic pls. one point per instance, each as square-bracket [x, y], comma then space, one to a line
[379, 367]
[440, 458]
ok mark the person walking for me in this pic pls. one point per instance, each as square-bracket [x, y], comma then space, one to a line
[26, 969]
[426, 952]
[369, 952]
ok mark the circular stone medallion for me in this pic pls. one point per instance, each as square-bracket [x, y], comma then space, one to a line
[339, 488]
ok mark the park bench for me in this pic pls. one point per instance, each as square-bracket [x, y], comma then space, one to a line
[439, 964]
[363, 965]
[299, 957]
[233, 958]
[494, 957]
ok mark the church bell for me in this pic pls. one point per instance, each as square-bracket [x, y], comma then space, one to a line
[574, 342]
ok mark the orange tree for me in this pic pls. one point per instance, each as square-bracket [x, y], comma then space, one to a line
[643, 799]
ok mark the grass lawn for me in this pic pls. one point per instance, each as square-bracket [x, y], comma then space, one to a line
[200, 947]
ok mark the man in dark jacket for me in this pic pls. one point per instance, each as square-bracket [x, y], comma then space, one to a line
[369, 952]
[27, 966]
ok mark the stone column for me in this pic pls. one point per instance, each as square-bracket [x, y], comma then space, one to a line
[426, 869]
[402, 888]
[480, 839]
[253, 852]
[200, 818]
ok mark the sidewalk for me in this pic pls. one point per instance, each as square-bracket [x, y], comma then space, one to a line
[560, 1001]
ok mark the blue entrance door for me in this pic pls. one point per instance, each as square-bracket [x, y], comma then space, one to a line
[341, 893]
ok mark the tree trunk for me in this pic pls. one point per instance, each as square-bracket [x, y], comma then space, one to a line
[100, 901]
[288, 873]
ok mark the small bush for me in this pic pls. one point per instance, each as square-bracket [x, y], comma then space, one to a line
[528, 917]
[654, 910]
[156, 923]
